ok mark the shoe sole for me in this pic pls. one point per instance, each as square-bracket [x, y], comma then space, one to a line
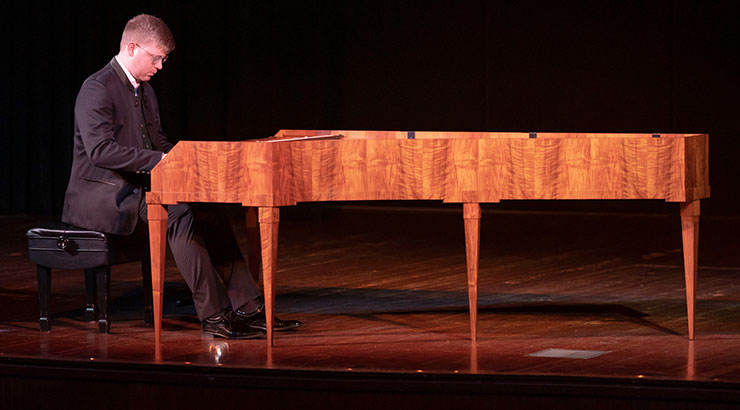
[243, 337]
[277, 329]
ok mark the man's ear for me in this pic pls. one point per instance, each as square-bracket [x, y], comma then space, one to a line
[130, 48]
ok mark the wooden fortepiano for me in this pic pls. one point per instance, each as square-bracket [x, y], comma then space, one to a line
[460, 167]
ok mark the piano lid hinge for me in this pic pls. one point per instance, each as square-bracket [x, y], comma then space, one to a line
[656, 135]
[411, 135]
[532, 135]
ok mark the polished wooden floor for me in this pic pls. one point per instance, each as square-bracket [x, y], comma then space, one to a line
[564, 293]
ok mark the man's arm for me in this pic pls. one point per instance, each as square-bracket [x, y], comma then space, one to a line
[159, 139]
[94, 111]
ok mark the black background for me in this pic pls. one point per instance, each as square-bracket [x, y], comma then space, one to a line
[245, 69]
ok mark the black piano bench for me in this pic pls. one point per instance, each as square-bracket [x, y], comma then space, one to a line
[67, 247]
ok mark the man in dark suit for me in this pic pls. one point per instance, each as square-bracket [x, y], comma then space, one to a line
[118, 136]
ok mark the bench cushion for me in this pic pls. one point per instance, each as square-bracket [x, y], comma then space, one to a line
[68, 247]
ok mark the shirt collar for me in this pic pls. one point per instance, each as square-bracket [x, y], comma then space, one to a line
[128, 74]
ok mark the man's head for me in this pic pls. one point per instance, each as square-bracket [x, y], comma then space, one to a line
[145, 44]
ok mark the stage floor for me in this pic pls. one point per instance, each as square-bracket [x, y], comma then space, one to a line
[597, 295]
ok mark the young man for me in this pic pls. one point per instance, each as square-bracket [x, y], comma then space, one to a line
[118, 135]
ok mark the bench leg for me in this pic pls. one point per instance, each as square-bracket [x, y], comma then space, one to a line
[146, 279]
[102, 279]
[43, 276]
[91, 313]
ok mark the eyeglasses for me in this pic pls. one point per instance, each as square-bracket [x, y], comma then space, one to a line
[155, 58]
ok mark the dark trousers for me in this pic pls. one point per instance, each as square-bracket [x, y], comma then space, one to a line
[209, 259]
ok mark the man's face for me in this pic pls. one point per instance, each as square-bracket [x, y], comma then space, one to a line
[146, 61]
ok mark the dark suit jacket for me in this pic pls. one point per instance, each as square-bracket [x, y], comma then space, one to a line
[104, 191]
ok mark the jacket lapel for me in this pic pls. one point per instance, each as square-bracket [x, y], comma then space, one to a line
[119, 71]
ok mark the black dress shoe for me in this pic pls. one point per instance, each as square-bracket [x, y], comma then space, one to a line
[256, 320]
[230, 326]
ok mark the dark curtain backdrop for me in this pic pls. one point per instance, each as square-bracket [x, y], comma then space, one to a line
[244, 69]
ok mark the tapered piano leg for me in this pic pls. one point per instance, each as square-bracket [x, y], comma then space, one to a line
[157, 215]
[253, 243]
[471, 215]
[690, 227]
[269, 217]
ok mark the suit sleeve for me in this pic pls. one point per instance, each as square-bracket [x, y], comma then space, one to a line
[94, 112]
[158, 137]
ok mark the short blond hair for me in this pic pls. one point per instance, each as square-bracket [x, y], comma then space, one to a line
[144, 28]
